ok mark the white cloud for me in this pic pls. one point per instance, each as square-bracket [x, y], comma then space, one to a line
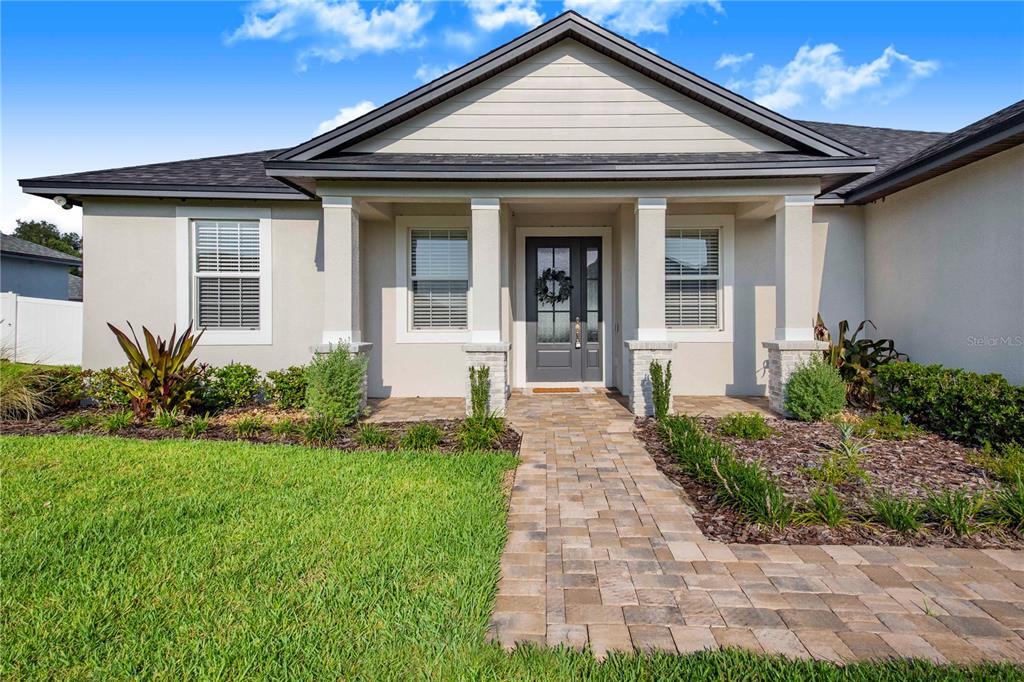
[428, 72]
[733, 61]
[344, 115]
[28, 207]
[341, 28]
[633, 17]
[463, 40]
[823, 69]
[492, 15]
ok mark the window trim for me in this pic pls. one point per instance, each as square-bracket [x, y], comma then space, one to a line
[404, 333]
[725, 224]
[185, 216]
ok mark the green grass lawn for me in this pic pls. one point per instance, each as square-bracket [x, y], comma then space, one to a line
[200, 560]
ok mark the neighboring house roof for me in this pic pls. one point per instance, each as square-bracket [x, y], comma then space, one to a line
[20, 248]
[991, 135]
[74, 288]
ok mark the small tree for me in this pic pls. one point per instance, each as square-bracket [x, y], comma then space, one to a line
[661, 388]
[336, 385]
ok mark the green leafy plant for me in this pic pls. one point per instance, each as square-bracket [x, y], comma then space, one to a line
[421, 436]
[814, 392]
[249, 426]
[160, 374]
[78, 422]
[336, 385]
[885, 425]
[287, 387]
[843, 462]
[233, 385]
[955, 509]
[1006, 506]
[166, 419]
[743, 486]
[321, 430]
[117, 421]
[195, 427]
[480, 433]
[286, 427]
[973, 408]
[746, 425]
[661, 388]
[857, 359]
[373, 437]
[1004, 462]
[824, 507]
[901, 514]
[106, 387]
[63, 387]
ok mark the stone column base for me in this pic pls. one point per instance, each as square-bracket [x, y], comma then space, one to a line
[641, 354]
[495, 357]
[355, 348]
[784, 358]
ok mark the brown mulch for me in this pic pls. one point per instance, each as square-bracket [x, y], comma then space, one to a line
[222, 429]
[904, 468]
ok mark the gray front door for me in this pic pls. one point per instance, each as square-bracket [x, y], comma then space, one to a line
[563, 309]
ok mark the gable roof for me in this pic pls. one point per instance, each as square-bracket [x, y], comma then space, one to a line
[991, 135]
[20, 248]
[570, 25]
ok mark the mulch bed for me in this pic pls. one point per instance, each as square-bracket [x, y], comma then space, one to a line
[905, 468]
[222, 429]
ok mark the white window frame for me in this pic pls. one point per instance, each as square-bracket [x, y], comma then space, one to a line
[185, 217]
[404, 333]
[725, 224]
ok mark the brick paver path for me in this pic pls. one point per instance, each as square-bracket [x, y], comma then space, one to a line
[603, 549]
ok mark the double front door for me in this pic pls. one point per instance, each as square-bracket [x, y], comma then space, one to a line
[563, 309]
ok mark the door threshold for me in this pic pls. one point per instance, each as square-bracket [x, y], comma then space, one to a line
[555, 389]
[548, 389]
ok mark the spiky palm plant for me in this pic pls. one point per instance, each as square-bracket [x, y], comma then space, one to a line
[160, 375]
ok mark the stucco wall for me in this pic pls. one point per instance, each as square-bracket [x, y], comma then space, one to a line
[945, 267]
[33, 278]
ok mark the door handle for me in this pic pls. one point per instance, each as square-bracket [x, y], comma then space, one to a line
[579, 333]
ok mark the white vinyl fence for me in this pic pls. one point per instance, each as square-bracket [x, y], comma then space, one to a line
[40, 330]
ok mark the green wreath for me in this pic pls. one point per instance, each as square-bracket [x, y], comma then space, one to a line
[545, 294]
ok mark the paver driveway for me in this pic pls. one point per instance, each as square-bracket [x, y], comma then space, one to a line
[603, 549]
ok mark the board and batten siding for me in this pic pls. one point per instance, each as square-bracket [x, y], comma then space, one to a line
[569, 99]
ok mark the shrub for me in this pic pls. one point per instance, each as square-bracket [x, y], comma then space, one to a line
[320, 430]
[117, 421]
[479, 390]
[335, 385]
[78, 422]
[1005, 462]
[885, 425]
[421, 436]
[749, 426]
[195, 427]
[233, 385]
[249, 426]
[975, 408]
[63, 387]
[1007, 505]
[373, 437]
[481, 433]
[22, 395]
[815, 391]
[955, 509]
[742, 486]
[106, 387]
[285, 427]
[160, 375]
[900, 514]
[824, 507]
[842, 462]
[661, 388]
[288, 387]
[857, 359]
[166, 419]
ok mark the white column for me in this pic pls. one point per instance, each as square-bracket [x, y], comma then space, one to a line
[342, 314]
[794, 305]
[650, 254]
[485, 239]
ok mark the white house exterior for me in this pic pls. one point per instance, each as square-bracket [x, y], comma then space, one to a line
[447, 226]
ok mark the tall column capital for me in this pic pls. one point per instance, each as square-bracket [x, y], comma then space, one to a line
[485, 204]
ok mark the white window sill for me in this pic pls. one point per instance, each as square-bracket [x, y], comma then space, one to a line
[225, 337]
[700, 335]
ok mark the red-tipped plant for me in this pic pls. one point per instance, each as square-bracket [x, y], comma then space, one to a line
[160, 375]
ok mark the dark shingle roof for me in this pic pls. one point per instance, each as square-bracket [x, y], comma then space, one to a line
[74, 288]
[26, 249]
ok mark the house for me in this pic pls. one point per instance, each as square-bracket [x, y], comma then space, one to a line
[28, 269]
[566, 209]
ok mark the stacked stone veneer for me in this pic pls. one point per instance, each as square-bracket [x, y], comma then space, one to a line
[495, 357]
[360, 348]
[784, 358]
[641, 354]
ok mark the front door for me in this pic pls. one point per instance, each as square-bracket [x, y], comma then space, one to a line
[563, 309]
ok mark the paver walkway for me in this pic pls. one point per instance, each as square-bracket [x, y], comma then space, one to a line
[603, 549]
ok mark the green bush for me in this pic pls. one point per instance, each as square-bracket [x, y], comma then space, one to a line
[166, 419]
[975, 408]
[421, 436]
[249, 426]
[1004, 462]
[900, 514]
[287, 387]
[885, 425]
[955, 509]
[117, 421]
[1007, 505]
[106, 387]
[335, 385]
[373, 437]
[63, 387]
[743, 486]
[320, 430]
[481, 433]
[746, 425]
[195, 427]
[661, 388]
[233, 385]
[815, 391]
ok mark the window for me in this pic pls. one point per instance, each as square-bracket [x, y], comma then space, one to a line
[692, 278]
[227, 273]
[439, 274]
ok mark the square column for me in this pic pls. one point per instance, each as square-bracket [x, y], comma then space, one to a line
[794, 305]
[642, 353]
[494, 356]
[342, 303]
[650, 255]
[485, 241]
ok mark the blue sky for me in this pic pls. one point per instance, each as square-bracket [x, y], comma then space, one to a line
[95, 85]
